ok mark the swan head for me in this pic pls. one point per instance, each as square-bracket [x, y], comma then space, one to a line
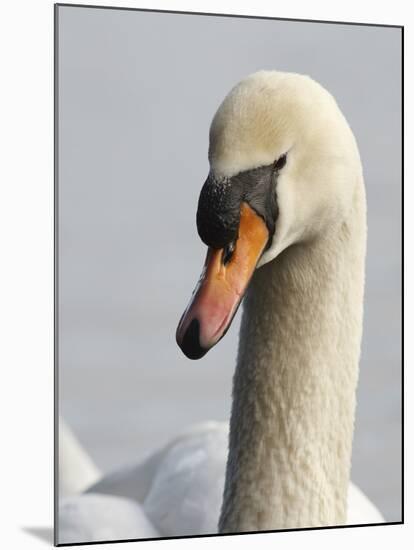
[284, 165]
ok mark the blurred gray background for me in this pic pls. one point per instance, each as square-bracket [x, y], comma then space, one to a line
[137, 92]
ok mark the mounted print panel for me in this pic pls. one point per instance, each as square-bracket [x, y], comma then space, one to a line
[266, 155]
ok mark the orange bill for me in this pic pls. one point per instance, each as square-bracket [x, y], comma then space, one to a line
[221, 287]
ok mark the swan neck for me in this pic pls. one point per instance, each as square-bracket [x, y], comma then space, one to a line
[294, 386]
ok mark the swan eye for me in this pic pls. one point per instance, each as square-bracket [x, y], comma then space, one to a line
[228, 252]
[280, 162]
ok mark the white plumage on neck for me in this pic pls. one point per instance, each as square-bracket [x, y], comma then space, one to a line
[294, 386]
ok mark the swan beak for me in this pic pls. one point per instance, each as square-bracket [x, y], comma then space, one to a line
[221, 287]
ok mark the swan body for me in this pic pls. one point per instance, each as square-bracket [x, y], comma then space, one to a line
[285, 194]
[176, 491]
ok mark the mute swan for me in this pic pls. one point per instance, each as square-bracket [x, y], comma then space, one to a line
[285, 193]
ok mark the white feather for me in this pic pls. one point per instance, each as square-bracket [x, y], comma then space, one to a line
[76, 469]
[97, 518]
[183, 492]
